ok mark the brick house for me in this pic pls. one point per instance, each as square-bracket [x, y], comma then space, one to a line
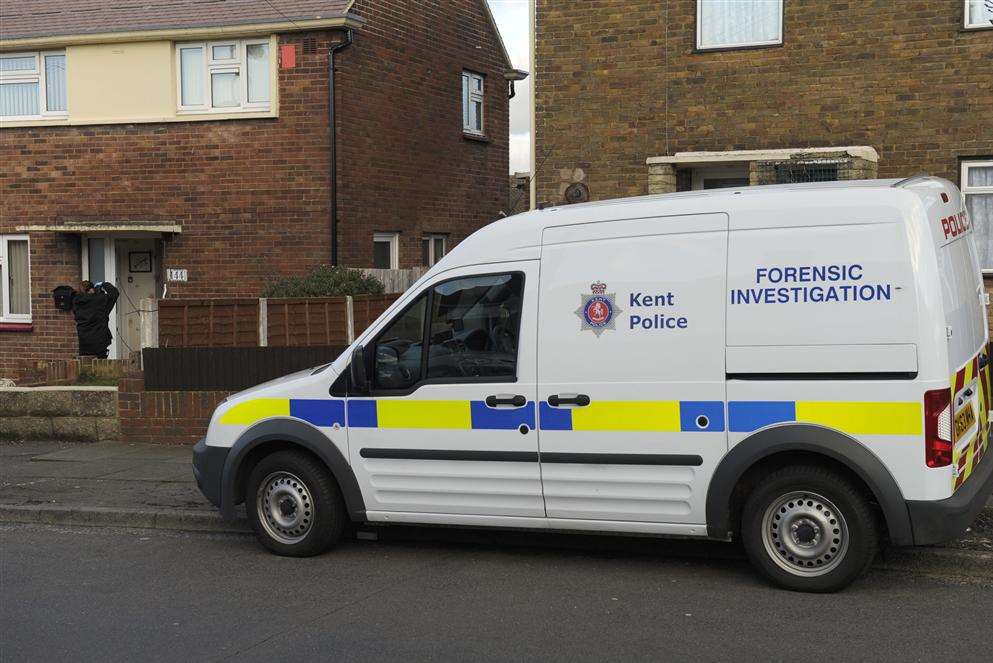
[641, 96]
[186, 148]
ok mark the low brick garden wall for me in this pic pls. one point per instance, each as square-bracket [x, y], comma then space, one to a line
[163, 417]
[76, 414]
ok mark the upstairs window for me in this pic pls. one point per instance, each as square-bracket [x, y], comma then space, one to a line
[33, 85]
[15, 279]
[386, 250]
[223, 76]
[738, 23]
[978, 14]
[472, 103]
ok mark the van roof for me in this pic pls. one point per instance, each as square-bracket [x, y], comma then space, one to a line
[518, 236]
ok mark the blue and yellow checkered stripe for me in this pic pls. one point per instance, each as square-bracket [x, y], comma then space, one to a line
[859, 418]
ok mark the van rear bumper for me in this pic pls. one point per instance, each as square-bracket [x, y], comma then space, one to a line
[944, 520]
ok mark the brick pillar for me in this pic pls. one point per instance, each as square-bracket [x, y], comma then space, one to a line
[661, 178]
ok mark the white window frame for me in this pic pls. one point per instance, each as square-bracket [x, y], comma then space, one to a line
[394, 240]
[973, 190]
[714, 47]
[474, 95]
[238, 65]
[35, 76]
[430, 238]
[5, 314]
[972, 26]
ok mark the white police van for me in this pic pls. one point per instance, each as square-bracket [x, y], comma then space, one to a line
[803, 367]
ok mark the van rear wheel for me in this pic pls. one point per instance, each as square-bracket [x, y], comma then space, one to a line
[294, 505]
[809, 529]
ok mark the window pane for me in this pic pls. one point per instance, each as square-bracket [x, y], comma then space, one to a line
[226, 52]
[476, 116]
[426, 252]
[18, 278]
[95, 260]
[381, 258]
[191, 65]
[980, 208]
[980, 13]
[258, 72]
[733, 22]
[439, 248]
[22, 63]
[477, 84]
[474, 327]
[398, 350]
[224, 90]
[55, 82]
[980, 176]
[18, 99]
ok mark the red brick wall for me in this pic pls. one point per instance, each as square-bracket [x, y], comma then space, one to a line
[253, 195]
[163, 417]
[618, 81]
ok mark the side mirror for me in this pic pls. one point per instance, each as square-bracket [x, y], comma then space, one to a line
[360, 383]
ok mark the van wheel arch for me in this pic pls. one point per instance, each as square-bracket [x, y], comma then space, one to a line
[273, 435]
[772, 448]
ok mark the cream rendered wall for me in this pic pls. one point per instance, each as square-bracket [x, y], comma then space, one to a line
[131, 82]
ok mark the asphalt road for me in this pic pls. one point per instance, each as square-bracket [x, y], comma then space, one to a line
[421, 594]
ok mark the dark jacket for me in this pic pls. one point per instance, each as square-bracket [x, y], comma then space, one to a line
[92, 313]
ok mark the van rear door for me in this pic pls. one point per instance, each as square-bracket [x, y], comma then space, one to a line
[963, 301]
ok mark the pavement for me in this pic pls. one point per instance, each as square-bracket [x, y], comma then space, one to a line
[108, 594]
[152, 486]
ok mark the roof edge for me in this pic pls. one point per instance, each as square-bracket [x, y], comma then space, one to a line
[183, 33]
[499, 36]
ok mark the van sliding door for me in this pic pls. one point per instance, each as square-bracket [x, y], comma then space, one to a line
[631, 376]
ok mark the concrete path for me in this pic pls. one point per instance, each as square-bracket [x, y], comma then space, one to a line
[130, 485]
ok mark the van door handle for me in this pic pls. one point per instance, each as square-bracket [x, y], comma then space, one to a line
[516, 401]
[582, 400]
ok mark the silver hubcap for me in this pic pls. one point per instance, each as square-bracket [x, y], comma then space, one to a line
[804, 533]
[285, 507]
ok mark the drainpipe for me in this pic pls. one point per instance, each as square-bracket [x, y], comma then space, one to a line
[332, 144]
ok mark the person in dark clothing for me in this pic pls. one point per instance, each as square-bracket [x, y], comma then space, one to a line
[91, 307]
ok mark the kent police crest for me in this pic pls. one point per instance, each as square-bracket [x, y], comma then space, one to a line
[597, 311]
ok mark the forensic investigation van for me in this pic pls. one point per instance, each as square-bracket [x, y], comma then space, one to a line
[801, 367]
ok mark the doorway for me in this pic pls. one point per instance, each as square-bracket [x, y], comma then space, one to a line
[132, 265]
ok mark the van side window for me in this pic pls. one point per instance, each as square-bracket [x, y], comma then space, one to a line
[474, 327]
[398, 349]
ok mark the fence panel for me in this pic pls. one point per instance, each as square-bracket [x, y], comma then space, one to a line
[396, 280]
[227, 369]
[307, 321]
[208, 322]
[366, 308]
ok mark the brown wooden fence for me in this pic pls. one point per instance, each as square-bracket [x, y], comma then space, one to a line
[208, 322]
[289, 322]
[300, 322]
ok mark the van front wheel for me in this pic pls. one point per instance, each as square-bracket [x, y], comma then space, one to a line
[809, 529]
[294, 505]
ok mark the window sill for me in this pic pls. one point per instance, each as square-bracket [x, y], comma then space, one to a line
[16, 327]
[746, 47]
[977, 28]
[478, 138]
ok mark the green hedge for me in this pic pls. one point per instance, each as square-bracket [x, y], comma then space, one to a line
[325, 281]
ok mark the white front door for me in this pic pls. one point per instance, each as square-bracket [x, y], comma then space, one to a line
[631, 375]
[448, 427]
[136, 272]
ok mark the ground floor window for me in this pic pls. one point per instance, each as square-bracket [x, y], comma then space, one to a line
[433, 249]
[977, 186]
[386, 250]
[15, 279]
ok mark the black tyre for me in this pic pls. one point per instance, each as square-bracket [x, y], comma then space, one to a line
[809, 529]
[294, 504]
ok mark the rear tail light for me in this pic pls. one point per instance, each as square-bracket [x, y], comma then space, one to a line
[938, 428]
